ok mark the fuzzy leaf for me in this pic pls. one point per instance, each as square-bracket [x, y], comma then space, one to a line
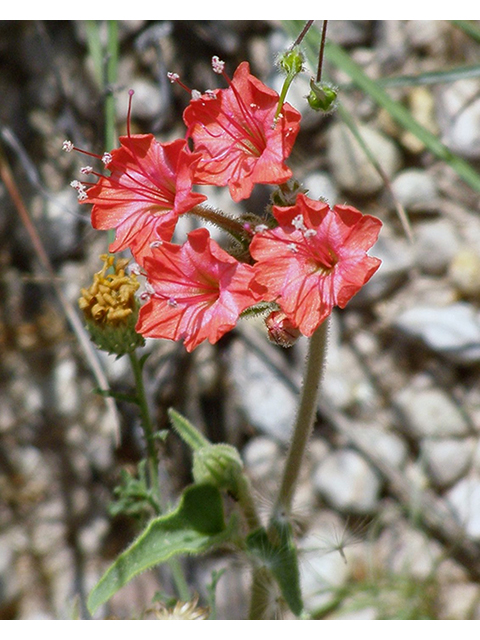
[196, 525]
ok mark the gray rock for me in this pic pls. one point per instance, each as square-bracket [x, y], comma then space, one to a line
[436, 244]
[261, 457]
[344, 381]
[347, 481]
[447, 459]
[407, 551]
[268, 403]
[458, 113]
[452, 331]
[464, 499]
[415, 189]
[349, 164]
[321, 187]
[430, 413]
[385, 445]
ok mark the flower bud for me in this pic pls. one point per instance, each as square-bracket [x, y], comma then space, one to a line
[111, 308]
[218, 464]
[322, 96]
[281, 330]
[291, 61]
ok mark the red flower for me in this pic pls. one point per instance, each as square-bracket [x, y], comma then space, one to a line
[234, 130]
[198, 291]
[149, 187]
[315, 259]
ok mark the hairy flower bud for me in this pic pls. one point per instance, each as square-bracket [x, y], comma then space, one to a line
[281, 330]
[322, 96]
[291, 61]
[218, 464]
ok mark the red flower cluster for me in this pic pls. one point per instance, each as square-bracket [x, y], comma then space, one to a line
[308, 260]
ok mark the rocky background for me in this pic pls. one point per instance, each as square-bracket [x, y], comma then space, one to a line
[388, 510]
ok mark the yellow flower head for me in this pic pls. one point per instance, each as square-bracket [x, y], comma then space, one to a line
[111, 307]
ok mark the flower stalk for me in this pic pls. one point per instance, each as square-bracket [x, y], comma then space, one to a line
[304, 423]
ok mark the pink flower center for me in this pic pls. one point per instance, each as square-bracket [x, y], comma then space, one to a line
[246, 135]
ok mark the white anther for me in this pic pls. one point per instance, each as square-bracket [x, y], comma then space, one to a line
[217, 65]
[298, 223]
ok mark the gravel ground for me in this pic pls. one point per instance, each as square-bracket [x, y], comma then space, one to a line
[388, 508]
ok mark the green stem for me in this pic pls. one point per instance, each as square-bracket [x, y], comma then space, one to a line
[263, 582]
[148, 430]
[304, 422]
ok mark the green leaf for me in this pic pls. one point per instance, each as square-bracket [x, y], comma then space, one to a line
[281, 558]
[195, 526]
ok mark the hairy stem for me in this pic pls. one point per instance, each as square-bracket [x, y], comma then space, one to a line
[263, 586]
[304, 422]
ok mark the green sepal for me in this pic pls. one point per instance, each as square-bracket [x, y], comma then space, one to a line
[281, 558]
[194, 527]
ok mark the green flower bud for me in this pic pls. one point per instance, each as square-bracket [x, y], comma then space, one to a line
[218, 464]
[322, 96]
[291, 61]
